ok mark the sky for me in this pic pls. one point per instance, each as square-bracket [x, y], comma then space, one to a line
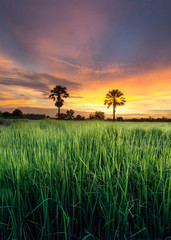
[90, 47]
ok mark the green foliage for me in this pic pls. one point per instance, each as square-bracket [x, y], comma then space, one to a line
[85, 180]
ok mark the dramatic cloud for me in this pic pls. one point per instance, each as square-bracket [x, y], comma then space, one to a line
[88, 46]
[25, 87]
[41, 82]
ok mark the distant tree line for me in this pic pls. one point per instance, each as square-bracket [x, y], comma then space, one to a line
[149, 119]
[113, 99]
[70, 115]
[17, 114]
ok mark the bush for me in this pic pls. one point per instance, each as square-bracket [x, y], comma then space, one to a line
[17, 113]
[79, 117]
[119, 119]
[6, 115]
[97, 115]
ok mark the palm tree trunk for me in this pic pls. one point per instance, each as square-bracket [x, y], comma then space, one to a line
[113, 113]
[59, 113]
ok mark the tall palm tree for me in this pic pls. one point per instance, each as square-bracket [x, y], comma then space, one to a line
[114, 98]
[57, 95]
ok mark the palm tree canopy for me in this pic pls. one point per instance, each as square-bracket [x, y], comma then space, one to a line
[58, 93]
[59, 103]
[114, 98]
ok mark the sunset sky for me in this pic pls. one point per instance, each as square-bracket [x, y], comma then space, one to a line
[89, 46]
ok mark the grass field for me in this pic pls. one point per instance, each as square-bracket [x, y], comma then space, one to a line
[85, 180]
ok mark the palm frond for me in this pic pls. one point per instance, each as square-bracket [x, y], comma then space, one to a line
[115, 98]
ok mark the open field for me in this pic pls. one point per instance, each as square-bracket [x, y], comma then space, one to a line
[85, 180]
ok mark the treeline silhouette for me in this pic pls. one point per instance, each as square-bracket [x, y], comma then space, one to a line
[70, 115]
[18, 114]
[149, 119]
[114, 98]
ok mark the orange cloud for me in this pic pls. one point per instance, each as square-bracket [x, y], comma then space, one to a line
[145, 92]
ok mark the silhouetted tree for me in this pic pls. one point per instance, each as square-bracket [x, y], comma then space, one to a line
[79, 117]
[57, 95]
[63, 116]
[70, 114]
[1, 114]
[114, 98]
[98, 115]
[91, 116]
[17, 113]
[119, 119]
[6, 114]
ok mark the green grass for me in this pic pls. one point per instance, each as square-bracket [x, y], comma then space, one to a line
[85, 180]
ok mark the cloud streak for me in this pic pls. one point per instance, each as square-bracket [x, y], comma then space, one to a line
[15, 76]
[88, 46]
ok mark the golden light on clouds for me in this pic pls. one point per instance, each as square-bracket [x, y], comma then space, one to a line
[90, 47]
[143, 92]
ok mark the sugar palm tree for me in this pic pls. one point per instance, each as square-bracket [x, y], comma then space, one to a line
[57, 95]
[114, 98]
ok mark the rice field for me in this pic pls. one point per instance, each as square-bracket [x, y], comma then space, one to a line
[85, 180]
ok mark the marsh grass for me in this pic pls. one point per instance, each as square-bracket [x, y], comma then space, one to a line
[85, 180]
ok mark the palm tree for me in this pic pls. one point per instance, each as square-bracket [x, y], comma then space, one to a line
[114, 98]
[57, 94]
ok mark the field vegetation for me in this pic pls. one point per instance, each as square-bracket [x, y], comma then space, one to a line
[85, 180]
